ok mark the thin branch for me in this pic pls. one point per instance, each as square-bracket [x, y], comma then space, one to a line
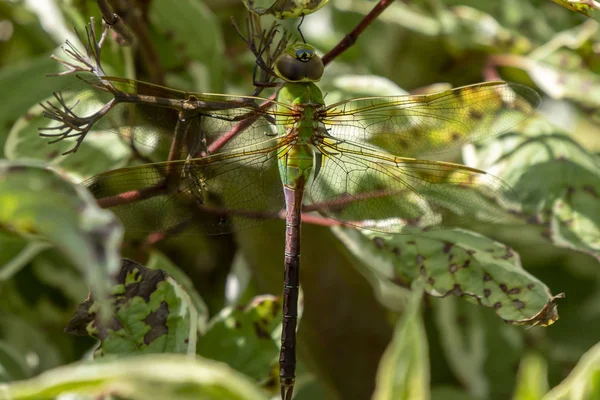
[350, 39]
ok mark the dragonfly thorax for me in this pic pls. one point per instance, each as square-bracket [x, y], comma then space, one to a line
[299, 63]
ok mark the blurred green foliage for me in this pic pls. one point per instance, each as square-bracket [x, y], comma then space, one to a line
[361, 329]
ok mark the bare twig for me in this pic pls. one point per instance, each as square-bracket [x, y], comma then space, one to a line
[350, 39]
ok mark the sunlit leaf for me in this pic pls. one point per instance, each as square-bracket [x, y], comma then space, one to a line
[582, 382]
[590, 8]
[460, 263]
[404, 369]
[66, 216]
[532, 379]
[157, 376]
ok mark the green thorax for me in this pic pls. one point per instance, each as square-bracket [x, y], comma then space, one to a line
[300, 67]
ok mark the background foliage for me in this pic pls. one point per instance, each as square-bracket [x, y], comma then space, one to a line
[362, 333]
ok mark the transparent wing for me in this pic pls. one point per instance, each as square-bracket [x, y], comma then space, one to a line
[433, 123]
[219, 192]
[147, 116]
[385, 193]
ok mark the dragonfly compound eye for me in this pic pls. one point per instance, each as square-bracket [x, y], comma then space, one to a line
[304, 55]
[299, 63]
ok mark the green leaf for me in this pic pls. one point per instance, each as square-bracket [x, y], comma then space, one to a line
[532, 379]
[589, 8]
[16, 253]
[99, 152]
[159, 261]
[463, 342]
[178, 21]
[27, 83]
[247, 337]
[284, 8]
[152, 314]
[460, 263]
[567, 205]
[12, 364]
[404, 369]
[164, 376]
[37, 203]
[584, 380]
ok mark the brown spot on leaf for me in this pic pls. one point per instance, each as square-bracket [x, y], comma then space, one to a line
[487, 292]
[497, 305]
[157, 321]
[503, 287]
[261, 333]
[470, 252]
[508, 254]
[530, 286]
[518, 304]
[487, 277]
[466, 264]
[456, 290]
[453, 268]
[143, 287]
[420, 259]
[447, 247]
[591, 190]
[431, 281]
[515, 290]
[411, 242]
[422, 271]
[397, 252]
[379, 242]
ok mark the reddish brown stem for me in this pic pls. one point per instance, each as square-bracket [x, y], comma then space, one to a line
[116, 23]
[131, 196]
[350, 39]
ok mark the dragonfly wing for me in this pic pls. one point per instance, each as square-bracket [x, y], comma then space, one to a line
[237, 188]
[146, 115]
[433, 123]
[362, 187]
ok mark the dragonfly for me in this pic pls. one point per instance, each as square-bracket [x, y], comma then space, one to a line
[242, 159]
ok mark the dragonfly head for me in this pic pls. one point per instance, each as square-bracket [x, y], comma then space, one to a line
[299, 63]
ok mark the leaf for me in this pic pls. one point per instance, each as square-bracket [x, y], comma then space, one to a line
[157, 376]
[589, 8]
[464, 343]
[583, 382]
[247, 337]
[28, 85]
[404, 369]
[203, 57]
[283, 9]
[532, 378]
[460, 263]
[159, 261]
[567, 205]
[152, 314]
[100, 151]
[12, 364]
[16, 253]
[39, 205]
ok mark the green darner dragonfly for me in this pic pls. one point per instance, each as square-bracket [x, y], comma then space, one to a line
[339, 160]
